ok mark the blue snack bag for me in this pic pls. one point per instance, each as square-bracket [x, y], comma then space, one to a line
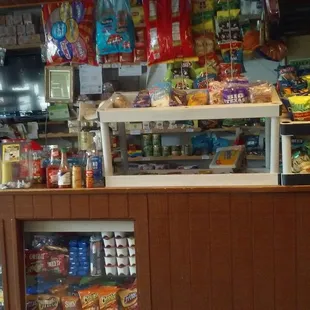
[114, 27]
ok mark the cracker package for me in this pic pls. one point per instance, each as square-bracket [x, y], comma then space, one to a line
[129, 298]
[68, 31]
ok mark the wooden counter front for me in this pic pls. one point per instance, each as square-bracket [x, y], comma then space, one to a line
[214, 248]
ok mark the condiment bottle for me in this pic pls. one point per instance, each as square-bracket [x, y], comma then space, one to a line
[64, 173]
[89, 173]
[52, 168]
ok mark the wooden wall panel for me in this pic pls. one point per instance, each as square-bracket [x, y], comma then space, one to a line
[79, 206]
[118, 206]
[24, 207]
[137, 206]
[61, 208]
[285, 251]
[221, 261]
[199, 232]
[98, 206]
[263, 251]
[42, 206]
[180, 265]
[159, 243]
[303, 250]
[242, 253]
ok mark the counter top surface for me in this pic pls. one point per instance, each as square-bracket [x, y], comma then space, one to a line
[41, 190]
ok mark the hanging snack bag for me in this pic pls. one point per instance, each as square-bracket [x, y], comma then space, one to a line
[204, 76]
[201, 10]
[232, 52]
[159, 39]
[227, 4]
[229, 70]
[228, 25]
[180, 22]
[68, 31]
[114, 27]
[300, 108]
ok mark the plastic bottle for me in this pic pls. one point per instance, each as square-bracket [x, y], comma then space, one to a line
[89, 173]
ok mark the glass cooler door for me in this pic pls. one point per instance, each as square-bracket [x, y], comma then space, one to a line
[80, 265]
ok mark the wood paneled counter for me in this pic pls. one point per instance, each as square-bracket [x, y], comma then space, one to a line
[197, 248]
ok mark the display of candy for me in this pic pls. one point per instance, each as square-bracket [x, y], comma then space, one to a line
[68, 31]
[114, 27]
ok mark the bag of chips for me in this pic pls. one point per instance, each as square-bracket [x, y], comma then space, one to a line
[114, 27]
[68, 31]
[228, 25]
[108, 298]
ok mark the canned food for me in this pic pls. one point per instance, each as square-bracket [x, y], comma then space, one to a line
[186, 150]
[176, 150]
[157, 150]
[148, 151]
[76, 176]
[157, 139]
[166, 151]
[147, 140]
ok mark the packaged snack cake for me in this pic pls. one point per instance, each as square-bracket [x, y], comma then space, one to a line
[68, 31]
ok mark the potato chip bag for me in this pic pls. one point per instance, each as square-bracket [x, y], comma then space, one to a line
[68, 31]
[108, 298]
[129, 298]
[71, 303]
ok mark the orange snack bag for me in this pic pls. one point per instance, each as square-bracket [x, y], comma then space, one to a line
[89, 298]
[108, 298]
[71, 303]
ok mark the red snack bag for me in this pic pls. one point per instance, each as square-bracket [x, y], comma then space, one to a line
[68, 30]
[210, 60]
[159, 33]
[58, 263]
[36, 261]
[180, 24]
[229, 70]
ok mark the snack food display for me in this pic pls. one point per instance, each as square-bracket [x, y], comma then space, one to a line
[81, 271]
[68, 31]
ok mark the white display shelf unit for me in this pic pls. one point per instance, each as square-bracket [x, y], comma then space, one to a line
[270, 111]
[288, 129]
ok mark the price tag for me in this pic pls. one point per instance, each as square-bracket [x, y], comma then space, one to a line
[205, 157]
[135, 132]
[189, 130]
[146, 158]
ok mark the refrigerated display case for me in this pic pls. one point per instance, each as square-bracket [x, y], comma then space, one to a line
[80, 265]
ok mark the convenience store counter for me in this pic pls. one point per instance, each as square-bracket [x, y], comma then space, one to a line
[197, 248]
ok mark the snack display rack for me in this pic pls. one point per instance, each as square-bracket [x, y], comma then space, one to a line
[270, 111]
[288, 129]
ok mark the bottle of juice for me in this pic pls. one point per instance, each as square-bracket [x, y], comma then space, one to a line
[89, 173]
[52, 168]
[64, 172]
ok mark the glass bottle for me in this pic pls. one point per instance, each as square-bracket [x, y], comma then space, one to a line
[64, 173]
[52, 168]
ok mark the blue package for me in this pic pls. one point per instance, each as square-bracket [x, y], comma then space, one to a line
[85, 264]
[114, 27]
[82, 272]
[96, 162]
[73, 272]
[73, 249]
[83, 243]
[73, 243]
[84, 258]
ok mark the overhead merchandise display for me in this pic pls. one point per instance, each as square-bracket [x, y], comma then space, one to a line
[204, 117]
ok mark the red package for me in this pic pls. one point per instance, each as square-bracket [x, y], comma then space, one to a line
[36, 261]
[210, 60]
[182, 40]
[229, 70]
[69, 32]
[58, 263]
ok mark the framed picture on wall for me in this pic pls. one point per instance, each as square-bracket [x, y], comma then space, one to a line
[59, 84]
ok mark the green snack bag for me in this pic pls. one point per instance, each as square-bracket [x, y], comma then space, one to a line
[300, 107]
